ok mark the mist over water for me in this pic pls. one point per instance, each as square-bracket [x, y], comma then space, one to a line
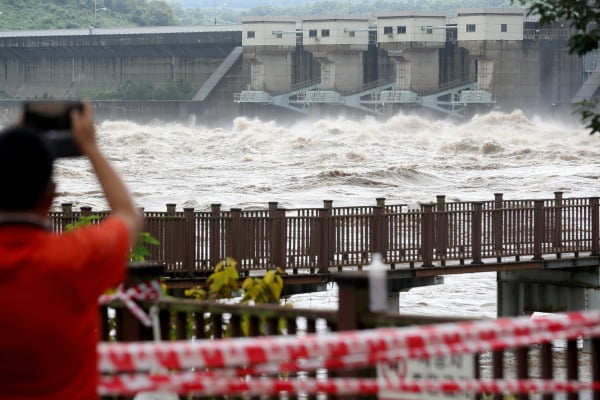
[405, 159]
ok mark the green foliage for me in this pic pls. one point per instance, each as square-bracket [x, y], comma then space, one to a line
[265, 290]
[82, 221]
[589, 116]
[54, 14]
[140, 250]
[223, 284]
[580, 15]
[143, 90]
[583, 17]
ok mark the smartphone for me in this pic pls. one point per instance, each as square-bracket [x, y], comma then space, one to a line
[53, 120]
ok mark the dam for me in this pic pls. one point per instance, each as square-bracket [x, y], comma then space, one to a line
[426, 62]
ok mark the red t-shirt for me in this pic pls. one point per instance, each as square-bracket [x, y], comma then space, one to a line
[49, 288]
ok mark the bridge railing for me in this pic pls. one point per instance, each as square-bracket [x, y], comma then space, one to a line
[322, 240]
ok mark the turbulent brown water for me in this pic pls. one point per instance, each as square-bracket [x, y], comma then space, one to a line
[405, 159]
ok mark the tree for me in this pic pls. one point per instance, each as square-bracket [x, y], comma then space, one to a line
[583, 17]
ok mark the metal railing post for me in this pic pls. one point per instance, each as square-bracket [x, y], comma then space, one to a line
[86, 211]
[557, 231]
[547, 366]
[572, 366]
[476, 233]
[129, 327]
[282, 224]
[595, 226]
[215, 234]
[325, 246]
[497, 227]
[67, 214]
[353, 299]
[385, 229]
[171, 208]
[595, 348]
[441, 233]
[522, 354]
[235, 238]
[189, 260]
[272, 207]
[278, 239]
[427, 235]
[377, 231]
[498, 369]
[538, 229]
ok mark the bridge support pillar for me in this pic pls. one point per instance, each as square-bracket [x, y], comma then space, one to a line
[548, 290]
[394, 302]
[508, 299]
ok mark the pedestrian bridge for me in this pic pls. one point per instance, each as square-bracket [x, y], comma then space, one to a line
[546, 251]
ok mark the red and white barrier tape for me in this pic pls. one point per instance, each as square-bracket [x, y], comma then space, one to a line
[410, 342]
[146, 291]
[191, 382]
[365, 360]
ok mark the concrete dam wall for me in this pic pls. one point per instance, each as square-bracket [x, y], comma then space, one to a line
[533, 75]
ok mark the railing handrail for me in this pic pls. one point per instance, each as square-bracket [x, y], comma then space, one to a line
[548, 34]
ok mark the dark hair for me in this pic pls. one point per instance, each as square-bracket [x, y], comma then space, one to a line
[25, 168]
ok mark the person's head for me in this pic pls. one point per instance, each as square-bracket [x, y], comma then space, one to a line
[25, 171]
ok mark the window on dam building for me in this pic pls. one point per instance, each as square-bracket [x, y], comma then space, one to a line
[325, 32]
[250, 34]
[312, 33]
[388, 30]
[503, 28]
[470, 27]
[401, 29]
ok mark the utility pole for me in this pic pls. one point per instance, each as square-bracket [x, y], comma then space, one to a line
[348, 6]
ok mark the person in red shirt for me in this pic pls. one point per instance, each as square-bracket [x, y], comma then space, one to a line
[50, 283]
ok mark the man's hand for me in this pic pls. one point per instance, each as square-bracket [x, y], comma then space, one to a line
[84, 132]
[117, 195]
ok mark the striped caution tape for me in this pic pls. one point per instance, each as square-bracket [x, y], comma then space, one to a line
[203, 385]
[342, 347]
[146, 291]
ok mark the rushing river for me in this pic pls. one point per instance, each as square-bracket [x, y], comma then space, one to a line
[405, 159]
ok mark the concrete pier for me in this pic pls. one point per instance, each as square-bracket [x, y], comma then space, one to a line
[548, 290]
[269, 43]
[412, 41]
[338, 44]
